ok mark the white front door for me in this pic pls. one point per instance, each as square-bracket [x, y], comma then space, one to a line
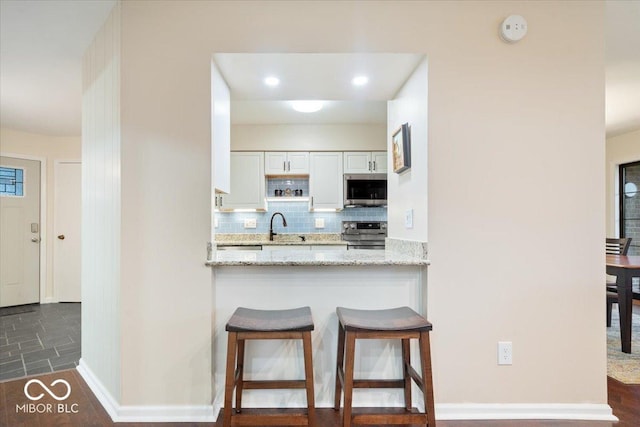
[19, 231]
[66, 228]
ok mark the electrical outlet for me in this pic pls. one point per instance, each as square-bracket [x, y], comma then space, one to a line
[505, 353]
[408, 218]
[319, 222]
[249, 223]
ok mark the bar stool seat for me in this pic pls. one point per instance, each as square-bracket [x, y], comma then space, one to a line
[247, 324]
[401, 323]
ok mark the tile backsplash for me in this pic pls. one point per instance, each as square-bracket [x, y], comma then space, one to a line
[299, 219]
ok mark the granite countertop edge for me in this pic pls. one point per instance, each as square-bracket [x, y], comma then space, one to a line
[313, 258]
[289, 263]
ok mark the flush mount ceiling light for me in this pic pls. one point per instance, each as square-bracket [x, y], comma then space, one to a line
[272, 81]
[360, 80]
[309, 106]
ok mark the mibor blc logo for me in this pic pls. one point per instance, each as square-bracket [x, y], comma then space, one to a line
[35, 390]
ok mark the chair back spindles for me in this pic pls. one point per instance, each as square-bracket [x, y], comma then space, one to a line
[617, 246]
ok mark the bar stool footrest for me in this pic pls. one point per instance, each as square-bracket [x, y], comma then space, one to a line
[272, 384]
[378, 383]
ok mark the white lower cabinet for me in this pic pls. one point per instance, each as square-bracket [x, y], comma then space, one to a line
[325, 180]
[285, 247]
[328, 247]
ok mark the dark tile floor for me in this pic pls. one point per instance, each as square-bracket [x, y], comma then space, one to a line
[45, 339]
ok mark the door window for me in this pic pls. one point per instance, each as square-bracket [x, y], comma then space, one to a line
[11, 181]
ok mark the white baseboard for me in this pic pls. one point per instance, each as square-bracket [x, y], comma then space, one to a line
[151, 413]
[521, 411]
[102, 394]
[444, 411]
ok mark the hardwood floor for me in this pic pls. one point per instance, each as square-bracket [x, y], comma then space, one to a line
[82, 409]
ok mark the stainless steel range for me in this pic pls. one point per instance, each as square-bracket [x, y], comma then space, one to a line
[364, 234]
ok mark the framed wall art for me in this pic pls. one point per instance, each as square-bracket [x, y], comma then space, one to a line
[401, 148]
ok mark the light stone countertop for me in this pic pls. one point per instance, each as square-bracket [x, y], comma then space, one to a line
[252, 239]
[316, 257]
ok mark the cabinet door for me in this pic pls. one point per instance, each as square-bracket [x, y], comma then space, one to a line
[379, 161]
[298, 163]
[325, 248]
[275, 163]
[357, 162]
[247, 182]
[286, 247]
[220, 131]
[325, 180]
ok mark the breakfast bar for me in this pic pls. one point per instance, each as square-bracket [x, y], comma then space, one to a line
[322, 280]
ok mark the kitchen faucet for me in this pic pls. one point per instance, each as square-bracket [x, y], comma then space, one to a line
[284, 223]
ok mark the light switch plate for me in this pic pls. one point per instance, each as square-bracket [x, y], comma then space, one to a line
[319, 222]
[215, 222]
[249, 223]
[408, 218]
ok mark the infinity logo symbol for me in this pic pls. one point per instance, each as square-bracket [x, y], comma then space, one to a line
[47, 389]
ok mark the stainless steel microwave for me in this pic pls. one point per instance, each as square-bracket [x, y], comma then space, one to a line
[365, 189]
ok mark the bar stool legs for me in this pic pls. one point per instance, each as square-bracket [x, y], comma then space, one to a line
[246, 324]
[403, 324]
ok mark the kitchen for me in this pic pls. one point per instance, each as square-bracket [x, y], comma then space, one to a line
[305, 220]
[336, 152]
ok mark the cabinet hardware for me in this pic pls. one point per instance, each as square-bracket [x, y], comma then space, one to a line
[35, 239]
[289, 166]
[369, 165]
[374, 165]
[284, 166]
[61, 237]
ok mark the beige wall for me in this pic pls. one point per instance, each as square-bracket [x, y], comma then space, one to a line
[505, 121]
[516, 204]
[52, 149]
[352, 137]
[621, 149]
[408, 190]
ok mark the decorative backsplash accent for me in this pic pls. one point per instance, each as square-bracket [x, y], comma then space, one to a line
[299, 219]
[287, 187]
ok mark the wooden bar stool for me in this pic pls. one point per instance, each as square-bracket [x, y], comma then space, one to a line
[398, 323]
[247, 324]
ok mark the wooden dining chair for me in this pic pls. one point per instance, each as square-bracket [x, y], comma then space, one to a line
[614, 247]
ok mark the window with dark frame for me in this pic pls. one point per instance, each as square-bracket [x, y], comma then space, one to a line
[629, 204]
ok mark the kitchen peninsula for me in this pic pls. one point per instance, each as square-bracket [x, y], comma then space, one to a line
[322, 280]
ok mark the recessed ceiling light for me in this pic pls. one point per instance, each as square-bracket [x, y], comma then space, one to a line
[360, 80]
[271, 81]
[310, 106]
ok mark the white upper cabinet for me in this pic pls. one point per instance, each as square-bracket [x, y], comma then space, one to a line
[326, 180]
[365, 162]
[220, 131]
[286, 163]
[247, 183]
[379, 161]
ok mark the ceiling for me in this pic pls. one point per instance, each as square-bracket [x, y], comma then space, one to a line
[42, 43]
[319, 76]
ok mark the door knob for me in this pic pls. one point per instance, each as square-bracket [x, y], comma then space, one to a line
[61, 237]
